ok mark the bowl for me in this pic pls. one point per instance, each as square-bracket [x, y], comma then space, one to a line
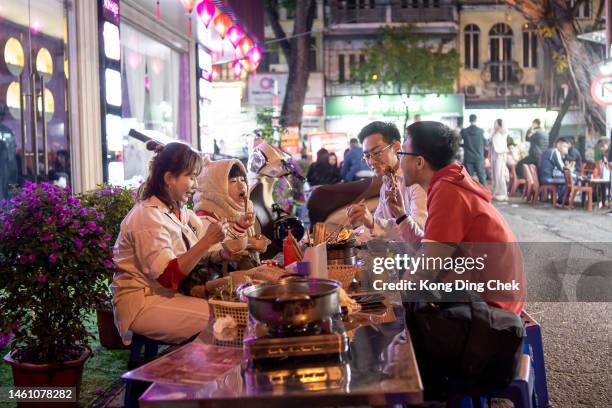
[235, 245]
[258, 244]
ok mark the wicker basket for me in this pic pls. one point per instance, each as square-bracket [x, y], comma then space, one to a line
[238, 310]
[342, 273]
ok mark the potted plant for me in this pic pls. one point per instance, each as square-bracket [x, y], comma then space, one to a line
[113, 202]
[53, 252]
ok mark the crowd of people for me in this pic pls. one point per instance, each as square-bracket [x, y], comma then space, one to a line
[551, 160]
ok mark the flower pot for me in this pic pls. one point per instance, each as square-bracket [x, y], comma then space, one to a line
[47, 375]
[109, 335]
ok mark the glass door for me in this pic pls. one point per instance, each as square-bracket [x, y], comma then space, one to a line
[34, 137]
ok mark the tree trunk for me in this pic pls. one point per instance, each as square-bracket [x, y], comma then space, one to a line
[567, 102]
[580, 58]
[297, 83]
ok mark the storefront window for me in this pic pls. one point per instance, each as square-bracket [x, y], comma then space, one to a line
[154, 95]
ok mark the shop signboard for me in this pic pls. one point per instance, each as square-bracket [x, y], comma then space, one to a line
[601, 90]
[261, 88]
[449, 105]
[290, 140]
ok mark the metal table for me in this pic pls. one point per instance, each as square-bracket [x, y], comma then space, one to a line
[381, 369]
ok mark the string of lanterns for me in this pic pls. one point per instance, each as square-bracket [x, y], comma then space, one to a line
[225, 27]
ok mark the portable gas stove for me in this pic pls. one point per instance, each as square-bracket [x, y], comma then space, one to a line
[323, 339]
[310, 357]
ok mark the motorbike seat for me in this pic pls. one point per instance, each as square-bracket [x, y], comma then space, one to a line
[328, 198]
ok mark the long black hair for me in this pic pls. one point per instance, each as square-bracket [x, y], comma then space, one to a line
[177, 158]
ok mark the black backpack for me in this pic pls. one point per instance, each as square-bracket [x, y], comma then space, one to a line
[471, 342]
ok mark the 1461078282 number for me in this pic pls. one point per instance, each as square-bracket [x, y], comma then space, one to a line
[35, 394]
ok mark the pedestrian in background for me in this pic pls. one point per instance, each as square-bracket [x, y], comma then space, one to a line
[499, 148]
[322, 172]
[473, 150]
[353, 162]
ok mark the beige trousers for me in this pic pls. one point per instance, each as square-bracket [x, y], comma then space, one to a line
[171, 319]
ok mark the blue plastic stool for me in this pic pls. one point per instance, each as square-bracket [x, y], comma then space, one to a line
[142, 350]
[534, 340]
[520, 391]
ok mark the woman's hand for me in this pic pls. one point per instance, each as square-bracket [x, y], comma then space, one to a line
[215, 233]
[246, 220]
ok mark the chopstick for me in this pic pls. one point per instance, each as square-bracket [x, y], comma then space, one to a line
[334, 234]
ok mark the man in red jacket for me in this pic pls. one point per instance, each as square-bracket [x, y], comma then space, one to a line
[462, 221]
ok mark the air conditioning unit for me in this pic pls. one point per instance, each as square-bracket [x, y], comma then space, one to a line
[472, 90]
[529, 89]
[503, 91]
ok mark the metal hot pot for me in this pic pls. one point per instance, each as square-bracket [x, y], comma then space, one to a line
[342, 253]
[293, 302]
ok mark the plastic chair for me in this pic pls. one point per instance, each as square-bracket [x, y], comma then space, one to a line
[534, 341]
[142, 350]
[529, 190]
[520, 391]
[572, 189]
[542, 190]
[515, 182]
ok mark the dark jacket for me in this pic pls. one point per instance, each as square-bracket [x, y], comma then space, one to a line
[473, 144]
[538, 140]
[353, 164]
[549, 161]
[574, 155]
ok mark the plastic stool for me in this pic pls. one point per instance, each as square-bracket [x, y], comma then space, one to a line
[142, 350]
[534, 340]
[520, 391]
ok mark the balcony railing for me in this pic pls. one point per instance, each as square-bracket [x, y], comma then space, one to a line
[418, 11]
[507, 72]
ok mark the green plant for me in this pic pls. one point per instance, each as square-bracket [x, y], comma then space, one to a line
[114, 203]
[268, 127]
[54, 253]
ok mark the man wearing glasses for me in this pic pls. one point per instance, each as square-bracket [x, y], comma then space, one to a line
[381, 142]
[460, 213]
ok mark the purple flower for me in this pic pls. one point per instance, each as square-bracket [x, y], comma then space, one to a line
[83, 231]
[23, 259]
[99, 390]
[5, 339]
[50, 220]
[91, 225]
[53, 258]
[100, 216]
[83, 211]
[55, 246]
[102, 244]
[108, 264]
[76, 224]
[78, 244]
[107, 237]
[42, 278]
[47, 236]
[31, 258]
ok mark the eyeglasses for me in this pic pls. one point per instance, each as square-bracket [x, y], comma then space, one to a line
[399, 153]
[375, 155]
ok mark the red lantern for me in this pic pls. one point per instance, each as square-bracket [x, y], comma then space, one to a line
[237, 68]
[245, 45]
[206, 11]
[188, 4]
[254, 55]
[235, 34]
[222, 22]
[216, 72]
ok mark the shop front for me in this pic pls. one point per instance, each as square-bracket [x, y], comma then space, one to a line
[34, 93]
[145, 71]
[349, 114]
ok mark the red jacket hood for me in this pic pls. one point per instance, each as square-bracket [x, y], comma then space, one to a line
[457, 175]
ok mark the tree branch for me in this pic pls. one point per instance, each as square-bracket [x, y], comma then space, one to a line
[272, 13]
